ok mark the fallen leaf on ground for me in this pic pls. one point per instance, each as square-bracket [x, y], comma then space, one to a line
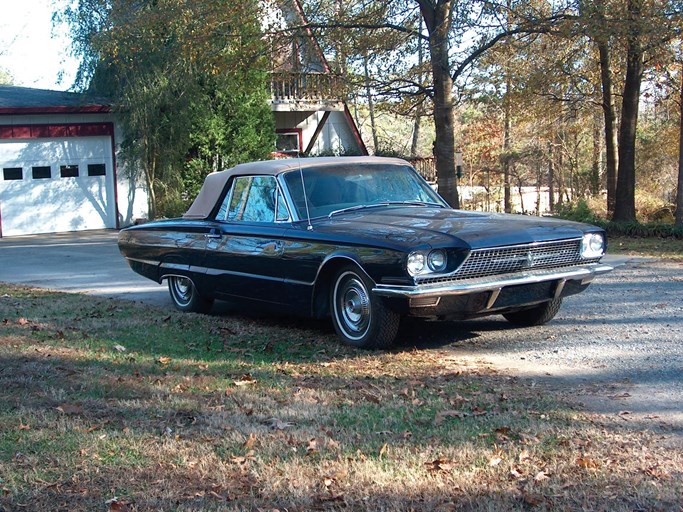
[494, 461]
[116, 505]
[515, 474]
[243, 459]
[541, 476]
[249, 443]
[440, 465]
[245, 380]
[440, 416]
[587, 463]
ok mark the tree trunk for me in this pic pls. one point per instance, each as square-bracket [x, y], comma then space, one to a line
[419, 109]
[437, 18]
[559, 168]
[551, 178]
[149, 168]
[416, 135]
[507, 202]
[625, 204]
[597, 156]
[507, 107]
[610, 121]
[371, 105]
[679, 190]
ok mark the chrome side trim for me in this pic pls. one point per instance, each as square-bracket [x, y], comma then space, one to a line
[146, 262]
[492, 283]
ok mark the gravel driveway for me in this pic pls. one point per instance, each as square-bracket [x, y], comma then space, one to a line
[617, 348]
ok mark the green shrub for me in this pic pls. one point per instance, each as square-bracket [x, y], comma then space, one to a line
[662, 227]
[579, 212]
[646, 230]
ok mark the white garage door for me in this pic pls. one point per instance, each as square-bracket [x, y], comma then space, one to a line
[53, 185]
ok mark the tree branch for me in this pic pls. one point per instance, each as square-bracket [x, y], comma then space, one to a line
[541, 27]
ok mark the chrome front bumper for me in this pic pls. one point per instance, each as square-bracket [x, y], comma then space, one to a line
[494, 284]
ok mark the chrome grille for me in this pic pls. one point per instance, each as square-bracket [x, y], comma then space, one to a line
[511, 259]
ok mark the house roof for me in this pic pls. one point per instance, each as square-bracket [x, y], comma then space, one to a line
[215, 182]
[24, 100]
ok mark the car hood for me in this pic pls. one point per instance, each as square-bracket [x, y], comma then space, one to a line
[440, 227]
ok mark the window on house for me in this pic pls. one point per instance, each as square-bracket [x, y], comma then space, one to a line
[41, 172]
[97, 170]
[287, 141]
[12, 173]
[68, 171]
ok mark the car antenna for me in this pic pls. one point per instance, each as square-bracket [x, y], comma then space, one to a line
[303, 189]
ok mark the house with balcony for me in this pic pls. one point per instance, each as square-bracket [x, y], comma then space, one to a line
[307, 98]
[59, 169]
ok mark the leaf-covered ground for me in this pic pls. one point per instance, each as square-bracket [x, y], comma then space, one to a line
[109, 405]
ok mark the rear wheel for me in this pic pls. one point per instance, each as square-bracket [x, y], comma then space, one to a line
[360, 318]
[536, 315]
[185, 296]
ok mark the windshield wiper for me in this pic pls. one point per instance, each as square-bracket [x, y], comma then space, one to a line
[414, 203]
[357, 207]
[384, 203]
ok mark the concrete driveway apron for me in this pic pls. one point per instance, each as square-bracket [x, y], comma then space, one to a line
[85, 262]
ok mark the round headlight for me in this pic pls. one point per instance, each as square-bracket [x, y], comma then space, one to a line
[593, 245]
[416, 263]
[437, 261]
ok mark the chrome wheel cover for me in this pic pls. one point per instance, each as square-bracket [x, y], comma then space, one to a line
[352, 306]
[182, 290]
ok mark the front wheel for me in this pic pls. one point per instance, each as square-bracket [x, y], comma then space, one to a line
[536, 315]
[185, 296]
[360, 318]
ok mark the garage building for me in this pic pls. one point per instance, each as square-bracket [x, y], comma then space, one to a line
[58, 165]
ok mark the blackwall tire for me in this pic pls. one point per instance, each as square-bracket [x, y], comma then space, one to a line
[185, 296]
[537, 315]
[360, 318]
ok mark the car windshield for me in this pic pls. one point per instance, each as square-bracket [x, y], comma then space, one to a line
[330, 189]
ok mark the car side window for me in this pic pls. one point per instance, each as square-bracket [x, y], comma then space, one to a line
[253, 199]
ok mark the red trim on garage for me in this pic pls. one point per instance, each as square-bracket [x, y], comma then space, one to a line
[51, 131]
[85, 109]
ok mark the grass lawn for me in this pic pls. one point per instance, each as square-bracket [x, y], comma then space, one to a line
[113, 405]
[668, 248]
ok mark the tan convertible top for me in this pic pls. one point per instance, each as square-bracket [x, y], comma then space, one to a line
[215, 182]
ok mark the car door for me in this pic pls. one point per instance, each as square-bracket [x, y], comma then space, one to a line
[245, 246]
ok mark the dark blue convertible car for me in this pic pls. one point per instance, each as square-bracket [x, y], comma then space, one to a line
[364, 240]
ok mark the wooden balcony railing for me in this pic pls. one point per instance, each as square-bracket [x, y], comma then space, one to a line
[426, 167]
[285, 86]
